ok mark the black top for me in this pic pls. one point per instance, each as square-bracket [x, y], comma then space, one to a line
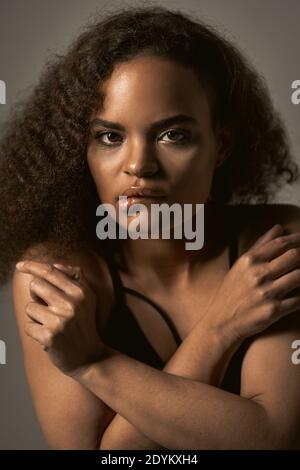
[123, 333]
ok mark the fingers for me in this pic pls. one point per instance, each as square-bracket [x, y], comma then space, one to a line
[38, 333]
[289, 305]
[72, 271]
[67, 283]
[285, 284]
[276, 247]
[50, 294]
[42, 315]
[273, 232]
[284, 263]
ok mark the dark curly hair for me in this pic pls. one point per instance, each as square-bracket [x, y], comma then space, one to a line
[46, 190]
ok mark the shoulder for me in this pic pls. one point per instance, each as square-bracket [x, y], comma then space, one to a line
[268, 374]
[73, 417]
[255, 219]
[91, 263]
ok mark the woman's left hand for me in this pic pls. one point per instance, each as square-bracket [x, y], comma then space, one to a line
[62, 317]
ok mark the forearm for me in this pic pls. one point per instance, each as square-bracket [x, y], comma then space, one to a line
[176, 412]
[203, 356]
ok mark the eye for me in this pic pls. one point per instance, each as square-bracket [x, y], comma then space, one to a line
[108, 137]
[176, 136]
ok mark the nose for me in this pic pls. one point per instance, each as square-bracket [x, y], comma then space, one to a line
[141, 161]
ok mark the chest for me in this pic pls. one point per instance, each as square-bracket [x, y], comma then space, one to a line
[167, 316]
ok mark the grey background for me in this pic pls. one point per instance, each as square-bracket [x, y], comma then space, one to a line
[266, 30]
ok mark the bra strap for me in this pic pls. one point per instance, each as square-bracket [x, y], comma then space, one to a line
[159, 309]
[115, 276]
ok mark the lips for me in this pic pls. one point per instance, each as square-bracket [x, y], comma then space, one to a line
[139, 194]
[143, 192]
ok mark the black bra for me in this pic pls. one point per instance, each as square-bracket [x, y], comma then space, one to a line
[123, 332]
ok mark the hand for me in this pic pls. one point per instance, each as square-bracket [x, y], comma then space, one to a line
[258, 289]
[62, 317]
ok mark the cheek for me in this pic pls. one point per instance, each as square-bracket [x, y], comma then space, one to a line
[192, 175]
[195, 164]
[102, 175]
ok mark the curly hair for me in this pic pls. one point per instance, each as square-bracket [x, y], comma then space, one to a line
[46, 190]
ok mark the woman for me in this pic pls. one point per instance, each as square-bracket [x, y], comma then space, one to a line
[197, 355]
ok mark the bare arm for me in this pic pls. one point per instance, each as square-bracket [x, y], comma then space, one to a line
[203, 356]
[70, 416]
[174, 364]
[247, 302]
[181, 413]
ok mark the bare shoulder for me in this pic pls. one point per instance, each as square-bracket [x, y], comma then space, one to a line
[255, 219]
[268, 374]
[91, 263]
[70, 416]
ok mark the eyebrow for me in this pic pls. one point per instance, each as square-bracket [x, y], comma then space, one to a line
[177, 119]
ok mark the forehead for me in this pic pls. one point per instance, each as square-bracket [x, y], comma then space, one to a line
[150, 87]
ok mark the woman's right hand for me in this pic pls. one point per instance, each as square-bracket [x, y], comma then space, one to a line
[257, 290]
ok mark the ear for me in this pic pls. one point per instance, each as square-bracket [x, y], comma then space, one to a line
[224, 144]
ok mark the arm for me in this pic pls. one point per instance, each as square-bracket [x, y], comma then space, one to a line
[291, 216]
[57, 397]
[181, 413]
[86, 429]
[246, 308]
[70, 416]
[202, 356]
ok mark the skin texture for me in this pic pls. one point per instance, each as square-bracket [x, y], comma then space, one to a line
[208, 305]
[149, 151]
[53, 121]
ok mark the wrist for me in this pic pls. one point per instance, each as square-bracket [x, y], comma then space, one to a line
[219, 333]
[204, 353]
[84, 373]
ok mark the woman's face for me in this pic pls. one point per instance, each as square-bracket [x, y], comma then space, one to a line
[154, 130]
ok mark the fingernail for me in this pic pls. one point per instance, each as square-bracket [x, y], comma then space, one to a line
[63, 266]
[20, 264]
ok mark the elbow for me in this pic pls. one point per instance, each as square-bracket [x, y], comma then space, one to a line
[74, 445]
[106, 443]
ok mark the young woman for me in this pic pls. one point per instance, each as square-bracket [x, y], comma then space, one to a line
[141, 343]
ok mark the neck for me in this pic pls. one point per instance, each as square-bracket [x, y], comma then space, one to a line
[169, 258]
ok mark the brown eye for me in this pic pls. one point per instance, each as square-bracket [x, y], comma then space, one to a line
[108, 138]
[176, 136]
